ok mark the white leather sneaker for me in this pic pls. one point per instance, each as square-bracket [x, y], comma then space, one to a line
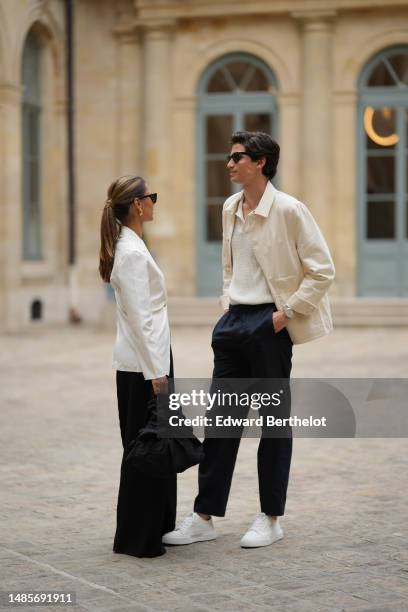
[262, 532]
[192, 529]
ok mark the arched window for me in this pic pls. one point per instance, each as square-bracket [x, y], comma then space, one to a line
[383, 167]
[236, 92]
[31, 148]
[238, 75]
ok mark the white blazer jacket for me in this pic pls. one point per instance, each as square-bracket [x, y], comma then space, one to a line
[143, 333]
[293, 256]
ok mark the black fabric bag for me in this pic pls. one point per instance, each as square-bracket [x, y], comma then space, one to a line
[162, 457]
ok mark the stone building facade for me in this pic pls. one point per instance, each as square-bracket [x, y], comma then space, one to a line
[160, 84]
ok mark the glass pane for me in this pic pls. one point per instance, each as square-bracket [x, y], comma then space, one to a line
[238, 70]
[31, 184]
[400, 64]
[381, 174]
[218, 182]
[406, 220]
[218, 83]
[31, 70]
[25, 130]
[33, 132]
[32, 234]
[219, 131]
[381, 77]
[258, 82]
[258, 122]
[406, 127]
[380, 220]
[31, 107]
[379, 126]
[34, 185]
[214, 222]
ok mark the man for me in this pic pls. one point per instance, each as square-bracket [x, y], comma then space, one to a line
[277, 269]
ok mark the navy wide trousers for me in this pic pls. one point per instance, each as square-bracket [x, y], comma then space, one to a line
[245, 345]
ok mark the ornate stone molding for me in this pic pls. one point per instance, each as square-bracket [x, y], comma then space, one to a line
[10, 93]
[345, 97]
[127, 33]
[314, 15]
[157, 28]
[187, 103]
[125, 28]
[197, 9]
[315, 21]
[289, 98]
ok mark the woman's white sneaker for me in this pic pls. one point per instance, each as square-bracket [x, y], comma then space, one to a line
[192, 529]
[263, 532]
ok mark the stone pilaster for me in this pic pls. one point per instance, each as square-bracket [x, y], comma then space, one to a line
[345, 196]
[289, 114]
[129, 96]
[317, 115]
[158, 146]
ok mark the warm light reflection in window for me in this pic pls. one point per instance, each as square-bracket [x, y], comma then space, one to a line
[386, 117]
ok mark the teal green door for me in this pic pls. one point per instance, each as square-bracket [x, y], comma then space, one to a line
[383, 167]
[236, 93]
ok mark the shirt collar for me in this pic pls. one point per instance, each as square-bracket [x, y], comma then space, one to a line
[264, 205]
[239, 212]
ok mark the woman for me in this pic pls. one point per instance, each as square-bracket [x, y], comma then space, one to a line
[142, 357]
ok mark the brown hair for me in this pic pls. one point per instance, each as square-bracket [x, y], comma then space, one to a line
[121, 194]
[258, 145]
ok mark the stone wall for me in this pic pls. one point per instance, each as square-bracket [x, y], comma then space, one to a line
[137, 72]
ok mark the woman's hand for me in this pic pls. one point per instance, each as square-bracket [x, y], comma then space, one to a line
[160, 385]
[279, 320]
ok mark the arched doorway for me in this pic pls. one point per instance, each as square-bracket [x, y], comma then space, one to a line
[383, 167]
[235, 93]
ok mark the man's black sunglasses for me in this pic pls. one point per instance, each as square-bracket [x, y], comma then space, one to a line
[237, 156]
[152, 196]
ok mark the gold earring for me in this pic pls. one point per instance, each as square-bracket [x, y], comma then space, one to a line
[140, 212]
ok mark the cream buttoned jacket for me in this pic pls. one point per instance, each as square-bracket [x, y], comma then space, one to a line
[143, 332]
[293, 256]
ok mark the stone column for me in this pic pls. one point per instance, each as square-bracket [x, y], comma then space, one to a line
[158, 146]
[129, 97]
[10, 207]
[345, 196]
[289, 113]
[183, 249]
[317, 116]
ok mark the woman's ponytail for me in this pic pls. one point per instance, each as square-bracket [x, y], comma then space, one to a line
[110, 230]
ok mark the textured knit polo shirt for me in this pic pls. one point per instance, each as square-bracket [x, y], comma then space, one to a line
[248, 284]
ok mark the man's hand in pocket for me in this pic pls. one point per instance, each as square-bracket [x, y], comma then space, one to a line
[279, 320]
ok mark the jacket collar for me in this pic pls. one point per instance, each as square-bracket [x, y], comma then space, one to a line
[264, 206]
[128, 234]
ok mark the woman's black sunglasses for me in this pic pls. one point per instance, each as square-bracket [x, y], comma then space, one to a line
[152, 196]
[237, 156]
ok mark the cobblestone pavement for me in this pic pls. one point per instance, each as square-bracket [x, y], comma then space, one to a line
[346, 539]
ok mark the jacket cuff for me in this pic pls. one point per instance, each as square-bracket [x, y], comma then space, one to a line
[298, 305]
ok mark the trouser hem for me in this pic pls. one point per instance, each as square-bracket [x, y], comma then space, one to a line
[219, 513]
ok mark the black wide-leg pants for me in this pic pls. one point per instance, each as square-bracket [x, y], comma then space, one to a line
[245, 345]
[146, 507]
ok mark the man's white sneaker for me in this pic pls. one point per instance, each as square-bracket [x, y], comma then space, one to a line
[192, 529]
[262, 532]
